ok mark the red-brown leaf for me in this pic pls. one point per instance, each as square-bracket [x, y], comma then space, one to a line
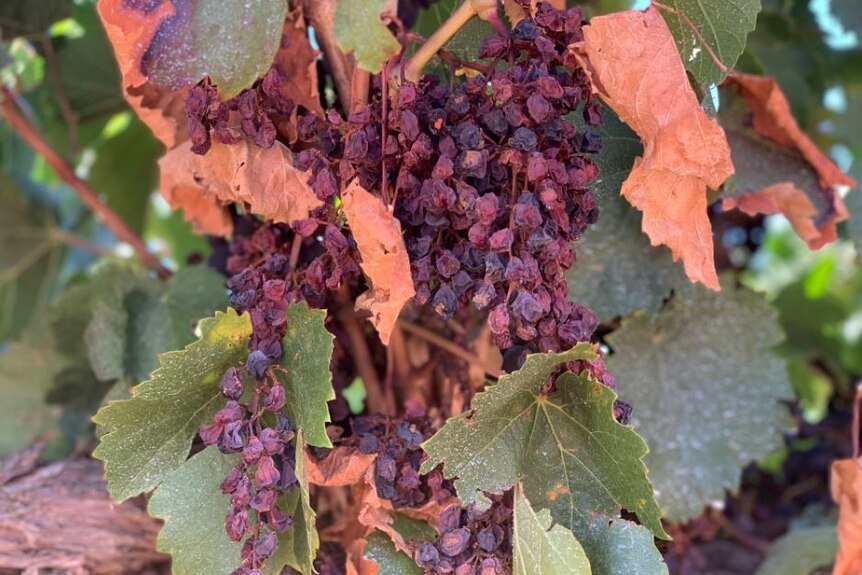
[785, 198]
[343, 466]
[130, 32]
[633, 62]
[384, 258]
[264, 179]
[772, 119]
[847, 492]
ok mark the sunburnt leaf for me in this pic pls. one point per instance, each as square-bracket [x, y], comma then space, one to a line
[846, 487]
[191, 504]
[541, 548]
[693, 382]
[779, 168]
[384, 258]
[306, 377]
[152, 432]
[636, 69]
[566, 448]
[263, 178]
[722, 24]
[359, 29]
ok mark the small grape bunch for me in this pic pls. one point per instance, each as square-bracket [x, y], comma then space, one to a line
[472, 541]
[266, 467]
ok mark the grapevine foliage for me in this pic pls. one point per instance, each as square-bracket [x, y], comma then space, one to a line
[441, 328]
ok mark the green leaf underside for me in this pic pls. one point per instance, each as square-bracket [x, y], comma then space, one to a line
[153, 431]
[539, 548]
[191, 504]
[696, 372]
[380, 549]
[24, 415]
[566, 449]
[306, 378]
[19, 18]
[614, 545]
[234, 43]
[724, 26]
[358, 29]
[297, 547]
[618, 271]
[29, 260]
[465, 43]
[800, 552]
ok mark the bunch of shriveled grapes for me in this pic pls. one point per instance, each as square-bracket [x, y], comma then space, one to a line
[489, 181]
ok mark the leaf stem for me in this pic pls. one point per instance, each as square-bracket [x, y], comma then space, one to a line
[485, 9]
[724, 69]
[13, 114]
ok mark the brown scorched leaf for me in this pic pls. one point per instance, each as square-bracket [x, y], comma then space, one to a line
[296, 62]
[847, 492]
[636, 69]
[343, 466]
[384, 258]
[131, 31]
[264, 179]
[769, 145]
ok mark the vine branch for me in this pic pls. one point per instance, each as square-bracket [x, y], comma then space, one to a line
[485, 9]
[447, 345]
[13, 114]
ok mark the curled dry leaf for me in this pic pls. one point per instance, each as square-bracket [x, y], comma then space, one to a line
[771, 118]
[847, 492]
[384, 258]
[786, 199]
[296, 62]
[636, 69]
[515, 13]
[264, 179]
[131, 30]
[343, 466]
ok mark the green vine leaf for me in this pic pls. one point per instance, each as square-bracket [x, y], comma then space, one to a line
[306, 377]
[724, 26]
[153, 432]
[614, 545]
[566, 449]
[380, 549]
[541, 548]
[358, 29]
[801, 552]
[234, 43]
[618, 270]
[696, 372]
[191, 504]
[29, 261]
[297, 547]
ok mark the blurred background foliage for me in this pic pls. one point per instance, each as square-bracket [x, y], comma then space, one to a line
[56, 55]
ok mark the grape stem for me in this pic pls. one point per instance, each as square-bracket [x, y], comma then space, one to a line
[485, 9]
[13, 114]
[718, 63]
[447, 345]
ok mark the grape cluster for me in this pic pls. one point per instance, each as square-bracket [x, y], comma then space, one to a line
[472, 541]
[252, 114]
[266, 469]
[397, 444]
[490, 180]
